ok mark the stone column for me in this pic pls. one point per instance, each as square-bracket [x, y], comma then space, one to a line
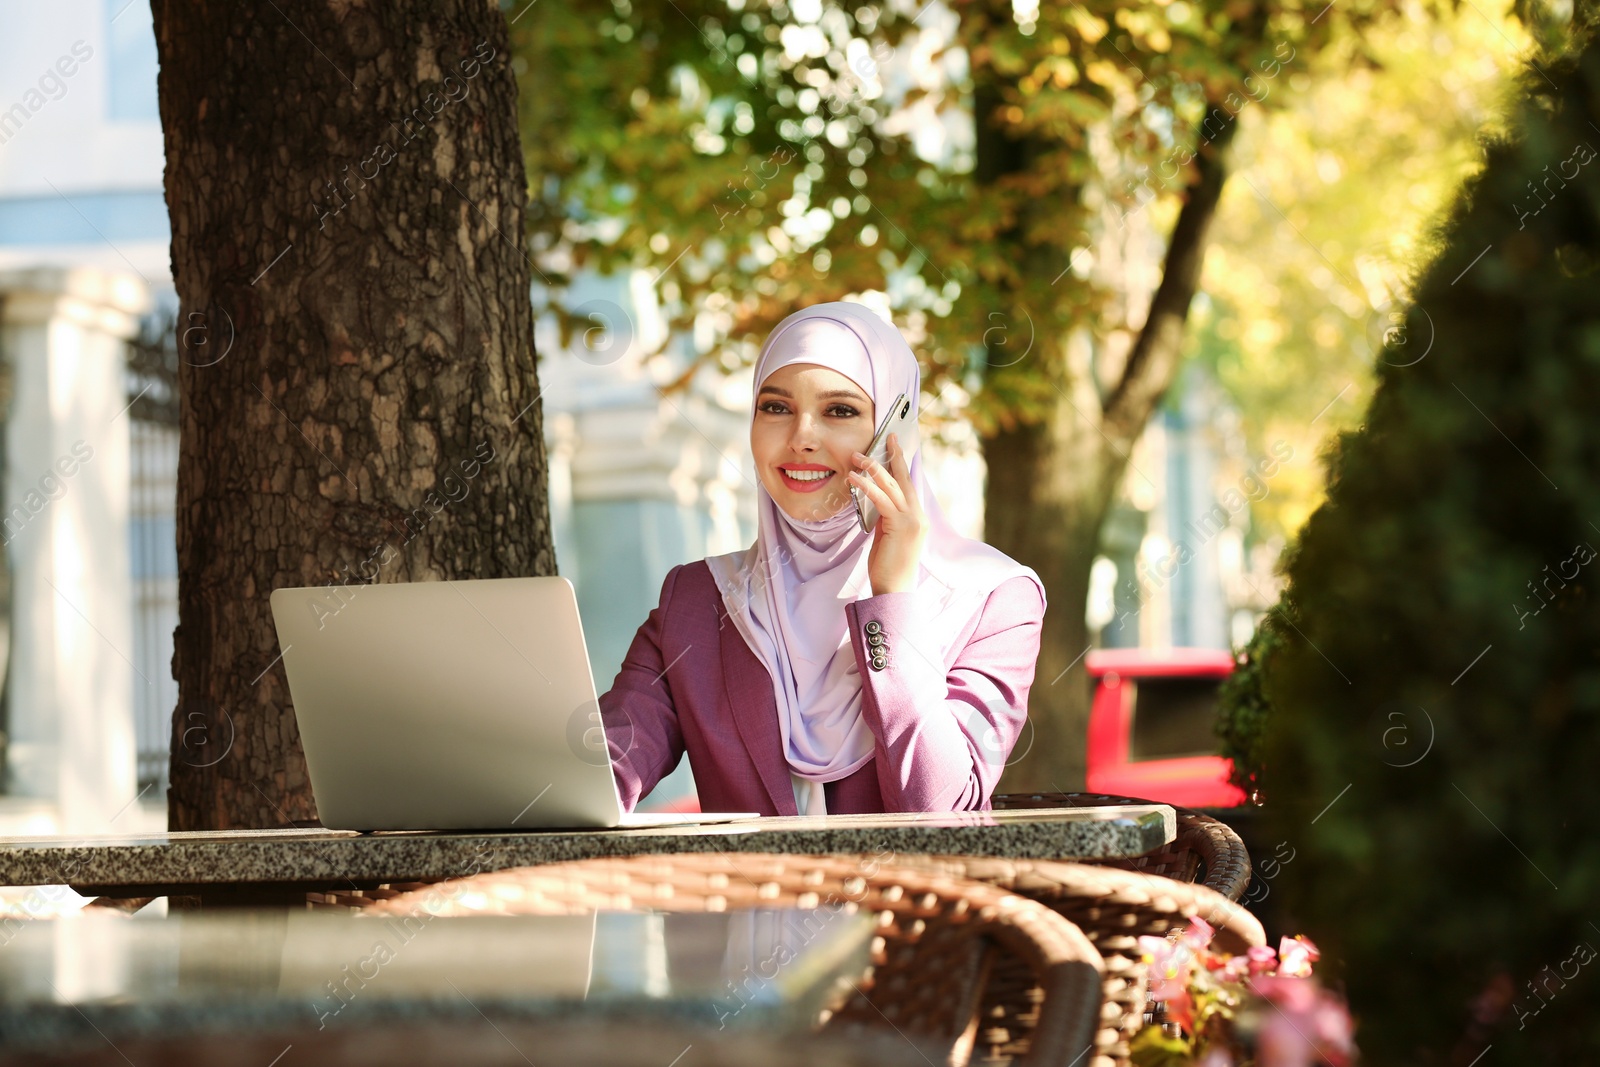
[65, 527]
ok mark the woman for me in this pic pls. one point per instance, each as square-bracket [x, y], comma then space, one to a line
[825, 668]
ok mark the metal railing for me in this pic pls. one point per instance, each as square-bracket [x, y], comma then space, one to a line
[152, 542]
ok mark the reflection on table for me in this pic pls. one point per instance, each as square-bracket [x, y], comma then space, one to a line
[96, 977]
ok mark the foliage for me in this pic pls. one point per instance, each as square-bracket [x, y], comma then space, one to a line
[1003, 177]
[759, 157]
[1217, 1009]
[1315, 237]
[1435, 714]
[1294, 301]
[1242, 707]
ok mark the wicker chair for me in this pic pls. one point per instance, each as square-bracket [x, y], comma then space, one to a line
[940, 938]
[1205, 850]
[1113, 908]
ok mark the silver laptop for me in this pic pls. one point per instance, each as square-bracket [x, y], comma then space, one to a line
[451, 706]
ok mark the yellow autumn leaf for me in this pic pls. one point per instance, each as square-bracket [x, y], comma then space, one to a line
[1090, 28]
[1101, 72]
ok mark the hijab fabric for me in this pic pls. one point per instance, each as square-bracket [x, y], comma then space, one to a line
[787, 592]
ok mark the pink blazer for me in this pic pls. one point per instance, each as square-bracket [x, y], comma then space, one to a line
[690, 684]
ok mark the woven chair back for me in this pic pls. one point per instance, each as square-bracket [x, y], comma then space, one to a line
[940, 938]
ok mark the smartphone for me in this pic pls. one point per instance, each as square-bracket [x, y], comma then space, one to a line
[902, 422]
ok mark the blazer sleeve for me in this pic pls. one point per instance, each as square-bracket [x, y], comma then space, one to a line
[643, 736]
[942, 738]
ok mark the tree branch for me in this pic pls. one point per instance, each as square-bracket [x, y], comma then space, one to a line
[1153, 360]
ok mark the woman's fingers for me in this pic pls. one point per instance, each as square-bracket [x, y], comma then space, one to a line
[902, 473]
[876, 474]
[874, 492]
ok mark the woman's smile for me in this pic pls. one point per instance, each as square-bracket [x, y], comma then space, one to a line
[805, 478]
[809, 421]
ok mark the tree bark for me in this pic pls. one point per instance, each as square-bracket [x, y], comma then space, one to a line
[1051, 483]
[359, 394]
[1047, 495]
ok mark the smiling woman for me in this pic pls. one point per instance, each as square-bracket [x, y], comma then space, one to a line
[809, 423]
[865, 670]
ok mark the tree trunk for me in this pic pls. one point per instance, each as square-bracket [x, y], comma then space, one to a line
[359, 395]
[1046, 498]
[1052, 483]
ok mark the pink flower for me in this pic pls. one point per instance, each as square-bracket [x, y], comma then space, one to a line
[1169, 961]
[1199, 933]
[1296, 955]
[1169, 965]
[1293, 996]
[1292, 1020]
[1236, 968]
[1302, 1026]
[1280, 1044]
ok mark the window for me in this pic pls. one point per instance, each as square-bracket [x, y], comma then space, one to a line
[1172, 717]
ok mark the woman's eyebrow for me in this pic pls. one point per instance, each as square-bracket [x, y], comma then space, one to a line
[831, 394]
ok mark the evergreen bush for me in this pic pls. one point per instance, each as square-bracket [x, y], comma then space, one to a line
[1242, 707]
[1434, 748]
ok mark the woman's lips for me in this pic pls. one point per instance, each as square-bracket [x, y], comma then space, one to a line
[807, 486]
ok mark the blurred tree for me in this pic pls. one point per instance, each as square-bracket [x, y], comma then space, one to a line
[1436, 705]
[1312, 255]
[357, 384]
[998, 168]
[1311, 261]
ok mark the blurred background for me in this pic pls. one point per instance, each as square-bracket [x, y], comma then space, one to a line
[688, 187]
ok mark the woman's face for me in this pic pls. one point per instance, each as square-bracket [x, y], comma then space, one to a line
[808, 420]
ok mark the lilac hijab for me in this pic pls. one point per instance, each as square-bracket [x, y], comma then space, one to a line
[787, 592]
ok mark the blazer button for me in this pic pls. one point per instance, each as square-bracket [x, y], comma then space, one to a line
[873, 626]
[876, 639]
[879, 662]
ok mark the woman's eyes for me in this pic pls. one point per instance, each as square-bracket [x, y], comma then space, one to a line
[841, 411]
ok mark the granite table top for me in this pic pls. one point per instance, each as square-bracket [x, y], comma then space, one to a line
[97, 976]
[165, 862]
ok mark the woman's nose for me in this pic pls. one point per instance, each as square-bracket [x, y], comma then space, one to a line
[804, 437]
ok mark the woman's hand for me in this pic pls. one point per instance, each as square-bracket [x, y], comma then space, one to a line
[902, 526]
